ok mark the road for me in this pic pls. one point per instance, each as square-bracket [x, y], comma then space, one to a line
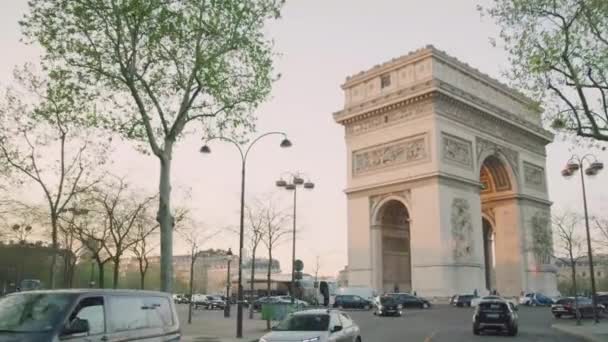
[450, 324]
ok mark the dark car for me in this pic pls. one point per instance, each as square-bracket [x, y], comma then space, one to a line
[409, 301]
[602, 299]
[88, 315]
[215, 302]
[463, 300]
[567, 307]
[352, 302]
[388, 306]
[257, 304]
[495, 315]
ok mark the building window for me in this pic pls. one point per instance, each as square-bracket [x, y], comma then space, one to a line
[385, 81]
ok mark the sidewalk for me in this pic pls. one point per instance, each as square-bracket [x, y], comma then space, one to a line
[589, 331]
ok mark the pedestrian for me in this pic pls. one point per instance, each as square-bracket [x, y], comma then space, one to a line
[415, 294]
[475, 293]
[396, 288]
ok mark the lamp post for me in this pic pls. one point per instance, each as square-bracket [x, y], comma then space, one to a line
[227, 305]
[285, 143]
[574, 164]
[292, 185]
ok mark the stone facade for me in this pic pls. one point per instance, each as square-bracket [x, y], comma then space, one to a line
[444, 146]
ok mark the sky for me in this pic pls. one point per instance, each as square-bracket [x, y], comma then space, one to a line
[319, 43]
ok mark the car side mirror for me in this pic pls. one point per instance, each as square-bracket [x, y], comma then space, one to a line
[336, 328]
[77, 326]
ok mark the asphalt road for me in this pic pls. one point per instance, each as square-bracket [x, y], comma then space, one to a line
[450, 324]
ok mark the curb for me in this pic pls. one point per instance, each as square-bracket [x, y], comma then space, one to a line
[585, 336]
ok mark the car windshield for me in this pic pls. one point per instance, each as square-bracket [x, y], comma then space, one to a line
[493, 307]
[387, 300]
[304, 323]
[32, 312]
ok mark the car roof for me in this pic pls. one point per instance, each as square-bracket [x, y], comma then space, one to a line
[315, 312]
[98, 291]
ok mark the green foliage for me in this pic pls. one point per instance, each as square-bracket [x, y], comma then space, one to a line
[558, 51]
[155, 65]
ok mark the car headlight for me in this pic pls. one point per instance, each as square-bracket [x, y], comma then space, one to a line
[314, 339]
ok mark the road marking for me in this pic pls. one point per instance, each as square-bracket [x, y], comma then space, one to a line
[430, 337]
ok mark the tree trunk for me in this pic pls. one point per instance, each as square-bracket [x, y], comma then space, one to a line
[191, 282]
[54, 250]
[268, 279]
[251, 288]
[142, 275]
[101, 274]
[116, 271]
[165, 219]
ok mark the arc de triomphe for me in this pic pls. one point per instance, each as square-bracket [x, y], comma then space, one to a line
[446, 187]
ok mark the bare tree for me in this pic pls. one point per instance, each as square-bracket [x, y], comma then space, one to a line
[195, 236]
[569, 245]
[256, 226]
[143, 247]
[93, 232]
[122, 209]
[275, 231]
[601, 225]
[43, 142]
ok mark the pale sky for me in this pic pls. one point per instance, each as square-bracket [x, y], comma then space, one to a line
[320, 42]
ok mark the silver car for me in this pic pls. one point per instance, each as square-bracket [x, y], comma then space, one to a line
[318, 325]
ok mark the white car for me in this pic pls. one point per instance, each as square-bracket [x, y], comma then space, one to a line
[318, 325]
[295, 300]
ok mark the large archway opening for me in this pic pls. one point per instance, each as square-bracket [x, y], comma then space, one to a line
[496, 182]
[394, 223]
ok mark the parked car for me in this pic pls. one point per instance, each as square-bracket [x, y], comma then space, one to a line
[214, 302]
[367, 293]
[496, 315]
[602, 299]
[567, 307]
[535, 299]
[180, 298]
[388, 306]
[462, 300]
[409, 301]
[352, 302]
[257, 304]
[319, 325]
[299, 302]
[88, 315]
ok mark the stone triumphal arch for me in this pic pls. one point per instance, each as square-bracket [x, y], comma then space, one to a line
[446, 180]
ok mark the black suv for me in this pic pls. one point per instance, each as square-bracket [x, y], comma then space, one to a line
[409, 301]
[388, 306]
[495, 315]
[351, 302]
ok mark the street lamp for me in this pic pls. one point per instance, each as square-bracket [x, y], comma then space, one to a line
[227, 305]
[575, 163]
[292, 185]
[285, 143]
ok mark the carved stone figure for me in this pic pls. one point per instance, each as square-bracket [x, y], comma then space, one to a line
[534, 176]
[389, 154]
[542, 241]
[457, 150]
[462, 229]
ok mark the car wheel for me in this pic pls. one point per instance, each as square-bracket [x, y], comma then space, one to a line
[475, 330]
[558, 316]
[513, 331]
[358, 339]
